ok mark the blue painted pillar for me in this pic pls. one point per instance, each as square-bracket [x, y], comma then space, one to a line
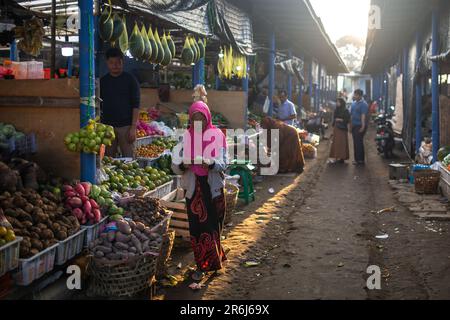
[97, 43]
[435, 81]
[318, 91]
[375, 87]
[87, 82]
[289, 80]
[201, 71]
[217, 82]
[70, 66]
[310, 82]
[13, 51]
[405, 84]
[418, 96]
[271, 71]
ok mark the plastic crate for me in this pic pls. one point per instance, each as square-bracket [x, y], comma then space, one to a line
[93, 232]
[9, 256]
[35, 267]
[164, 189]
[70, 247]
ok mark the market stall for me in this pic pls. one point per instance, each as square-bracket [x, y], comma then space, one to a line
[47, 215]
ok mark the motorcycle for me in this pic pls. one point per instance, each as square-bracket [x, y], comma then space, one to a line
[385, 139]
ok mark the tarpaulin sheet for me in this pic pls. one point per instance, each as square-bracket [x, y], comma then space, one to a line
[231, 25]
[398, 117]
[166, 6]
[205, 17]
[293, 67]
[194, 20]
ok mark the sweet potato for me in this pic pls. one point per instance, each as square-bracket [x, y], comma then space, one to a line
[94, 204]
[104, 249]
[121, 246]
[67, 188]
[74, 202]
[132, 249]
[87, 208]
[70, 194]
[78, 213]
[87, 188]
[136, 243]
[113, 256]
[97, 215]
[120, 237]
[124, 227]
[80, 190]
[140, 226]
[122, 255]
[132, 224]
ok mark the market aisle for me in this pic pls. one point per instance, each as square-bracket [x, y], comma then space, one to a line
[315, 237]
[329, 257]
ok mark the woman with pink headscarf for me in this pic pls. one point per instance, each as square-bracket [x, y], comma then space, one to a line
[201, 160]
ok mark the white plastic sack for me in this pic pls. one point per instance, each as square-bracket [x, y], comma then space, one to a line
[266, 106]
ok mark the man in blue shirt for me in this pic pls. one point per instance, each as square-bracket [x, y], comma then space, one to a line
[359, 120]
[286, 111]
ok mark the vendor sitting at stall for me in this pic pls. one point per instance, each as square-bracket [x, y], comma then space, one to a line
[204, 184]
[120, 94]
[291, 158]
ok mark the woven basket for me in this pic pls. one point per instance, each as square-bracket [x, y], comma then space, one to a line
[231, 198]
[125, 279]
[427, 181]
[164, 254]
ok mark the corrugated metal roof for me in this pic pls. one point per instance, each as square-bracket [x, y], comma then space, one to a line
[195, 20]
[297, 27]
[399, 21]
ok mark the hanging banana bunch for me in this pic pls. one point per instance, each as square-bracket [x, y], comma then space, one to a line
[221, 63]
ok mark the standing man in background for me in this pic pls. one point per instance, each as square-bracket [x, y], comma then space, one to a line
[120, 94]
[359, 120]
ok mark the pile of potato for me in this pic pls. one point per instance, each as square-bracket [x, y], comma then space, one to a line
[123, 240]
[40, 219]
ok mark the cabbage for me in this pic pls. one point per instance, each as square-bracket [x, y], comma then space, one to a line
[8, 130]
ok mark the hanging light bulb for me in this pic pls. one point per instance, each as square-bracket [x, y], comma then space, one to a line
[67, 51]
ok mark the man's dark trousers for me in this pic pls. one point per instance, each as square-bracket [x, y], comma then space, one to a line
[358, 144]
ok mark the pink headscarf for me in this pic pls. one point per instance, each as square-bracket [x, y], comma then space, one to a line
[217, 143]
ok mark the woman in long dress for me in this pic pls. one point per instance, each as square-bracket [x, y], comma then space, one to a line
[339, 148]
[204, 184]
